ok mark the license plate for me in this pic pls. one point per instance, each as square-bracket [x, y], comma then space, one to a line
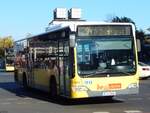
[108, 93]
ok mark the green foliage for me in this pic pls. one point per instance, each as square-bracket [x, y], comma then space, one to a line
[1, 53]
[5, 42]
[122, 19]
[139, 33]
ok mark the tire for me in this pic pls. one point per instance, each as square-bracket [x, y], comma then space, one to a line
[16, 76]
[53, 88]
[108, 98]
[25, 84]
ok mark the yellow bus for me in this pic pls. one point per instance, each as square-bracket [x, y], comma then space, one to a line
[80, 59]
[9, 59]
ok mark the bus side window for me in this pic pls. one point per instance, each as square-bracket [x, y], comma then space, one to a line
[51, 64]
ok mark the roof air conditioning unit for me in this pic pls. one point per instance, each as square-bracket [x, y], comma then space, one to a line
[60, 13]
[74, 13]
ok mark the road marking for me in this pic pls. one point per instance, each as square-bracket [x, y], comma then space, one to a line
[101, 112]
[11, 99]
[20, 103]
[5, 103]
[133, 111]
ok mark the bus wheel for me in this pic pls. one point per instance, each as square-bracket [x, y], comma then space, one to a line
[25, 84]
[109, 98]
[16, 76]
[53, 88]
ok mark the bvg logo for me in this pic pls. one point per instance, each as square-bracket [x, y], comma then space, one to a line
[102, 87]
[109, 86]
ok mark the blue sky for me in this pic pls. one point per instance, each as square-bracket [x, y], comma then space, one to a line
[20, 17]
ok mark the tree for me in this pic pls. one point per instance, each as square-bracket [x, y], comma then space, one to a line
[122, 19]
[139, 33]
[5, 42]
[148, 29]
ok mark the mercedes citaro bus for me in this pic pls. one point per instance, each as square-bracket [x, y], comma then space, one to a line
[80, 59]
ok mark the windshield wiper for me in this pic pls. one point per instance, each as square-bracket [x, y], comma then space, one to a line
[122, 72]
[104, 71]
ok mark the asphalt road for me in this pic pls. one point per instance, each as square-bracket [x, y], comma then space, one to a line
[14, 99]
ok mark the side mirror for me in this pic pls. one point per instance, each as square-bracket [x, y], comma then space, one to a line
[138, 45]
[72, 40]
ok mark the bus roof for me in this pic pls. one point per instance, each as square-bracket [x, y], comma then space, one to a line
[58, 25]
[55, 25]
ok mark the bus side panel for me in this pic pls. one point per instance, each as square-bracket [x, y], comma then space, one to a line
[19, 75]
[41, 79]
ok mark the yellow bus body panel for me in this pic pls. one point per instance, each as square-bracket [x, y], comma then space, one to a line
[81, 86]
[41, 77]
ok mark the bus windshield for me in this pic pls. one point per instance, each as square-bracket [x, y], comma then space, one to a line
[105, 55]
[9, 55]
[10, 60]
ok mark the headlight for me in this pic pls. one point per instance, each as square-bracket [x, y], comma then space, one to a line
[133, 85]
[79, 88]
